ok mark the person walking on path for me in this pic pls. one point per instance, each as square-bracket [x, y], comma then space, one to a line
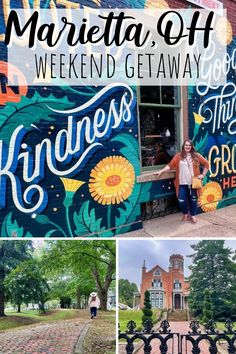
[187, 165]
[94, 304]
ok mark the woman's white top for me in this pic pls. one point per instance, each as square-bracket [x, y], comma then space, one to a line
[186, 170]
[94, 303]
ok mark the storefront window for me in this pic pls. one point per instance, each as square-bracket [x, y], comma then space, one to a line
[159, 124]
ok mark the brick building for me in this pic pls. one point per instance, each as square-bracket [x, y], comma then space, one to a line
[168, 289]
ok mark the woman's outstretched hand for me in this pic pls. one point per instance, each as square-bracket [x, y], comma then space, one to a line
[158, 173]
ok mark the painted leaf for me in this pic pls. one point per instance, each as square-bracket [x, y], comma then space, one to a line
[11, 228]
[80, 220]
[199, 145]
[86, 221]
[29, 111]
[127, 216]
[128, 141]
[132, 158]
[145, 192]
[106, 233]
[229, 199]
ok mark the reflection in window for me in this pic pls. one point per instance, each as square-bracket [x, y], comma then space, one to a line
[158, 124]
[157, 300]
[157, 283]
[177, 285]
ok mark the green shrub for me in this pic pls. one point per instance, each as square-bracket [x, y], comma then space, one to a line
[207, 307]
[147, 312]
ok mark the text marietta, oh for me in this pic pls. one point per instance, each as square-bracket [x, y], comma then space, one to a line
[147, 65]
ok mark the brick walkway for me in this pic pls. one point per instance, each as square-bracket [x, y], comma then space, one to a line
[50, 338]
[176, 327]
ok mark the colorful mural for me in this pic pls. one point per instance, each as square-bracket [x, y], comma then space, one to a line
[70, 156]
[212, 128]
[68, 168]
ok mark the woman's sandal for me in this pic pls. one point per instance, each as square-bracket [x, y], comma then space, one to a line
[185, 217]
[193, 219]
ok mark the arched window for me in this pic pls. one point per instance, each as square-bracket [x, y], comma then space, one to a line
[157, 283]
[177, 284]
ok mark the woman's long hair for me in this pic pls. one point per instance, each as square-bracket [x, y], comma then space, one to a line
[193, 151]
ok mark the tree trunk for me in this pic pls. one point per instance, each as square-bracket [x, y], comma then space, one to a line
[103, 299]
[78, 295]
[41, 308]
[103, 288]
[2, 295]
[19, 308]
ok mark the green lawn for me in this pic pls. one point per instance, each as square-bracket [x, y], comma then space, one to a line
[14, 319]
[220, 326]
[127, 315]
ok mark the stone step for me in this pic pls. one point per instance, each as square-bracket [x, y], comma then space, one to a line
[177, 315]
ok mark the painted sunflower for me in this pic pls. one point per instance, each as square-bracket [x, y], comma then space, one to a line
[210, 196]
[112, 180]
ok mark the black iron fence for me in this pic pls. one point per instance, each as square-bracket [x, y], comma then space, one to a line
[196, 341]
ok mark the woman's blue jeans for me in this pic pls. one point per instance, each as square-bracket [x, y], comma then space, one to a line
[93, 311]
[187, 199]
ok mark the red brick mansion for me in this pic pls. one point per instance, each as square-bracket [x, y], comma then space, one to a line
[168, 289]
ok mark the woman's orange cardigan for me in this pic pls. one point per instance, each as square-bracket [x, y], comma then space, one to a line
[174, 165]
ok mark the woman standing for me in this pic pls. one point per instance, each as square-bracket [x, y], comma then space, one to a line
[94, 304]
[187, 164]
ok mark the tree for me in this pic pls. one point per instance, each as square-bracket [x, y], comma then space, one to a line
[93, 260]
[126, 291]
[147, 312]
[26, 284]
[65, 302]
[207, 307]
[213, 269]
[11, 254]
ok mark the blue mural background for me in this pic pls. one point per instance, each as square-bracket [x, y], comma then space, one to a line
[212, 124]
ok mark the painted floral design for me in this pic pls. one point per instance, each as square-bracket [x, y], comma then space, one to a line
[112, 180]
[198, 118]
[71, 186]
[210, 196]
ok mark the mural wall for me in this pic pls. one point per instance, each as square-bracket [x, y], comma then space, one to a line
[69, 156]
[213, 130]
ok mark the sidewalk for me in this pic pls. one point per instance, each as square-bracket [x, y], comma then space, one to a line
[44, 338]
[218, 223]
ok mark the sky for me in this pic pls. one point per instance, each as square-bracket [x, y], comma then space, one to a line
[132, 253]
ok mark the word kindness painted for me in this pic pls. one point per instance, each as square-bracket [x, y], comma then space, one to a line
[102, 46]
[67, 154]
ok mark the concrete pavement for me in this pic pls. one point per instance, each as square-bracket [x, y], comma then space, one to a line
[218, 223]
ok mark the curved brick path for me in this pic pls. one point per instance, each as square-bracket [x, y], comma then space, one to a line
[176, 327]
[50, 338]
